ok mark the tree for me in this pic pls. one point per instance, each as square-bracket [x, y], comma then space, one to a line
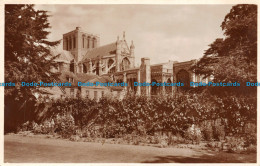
[233, 58]
[27, 56]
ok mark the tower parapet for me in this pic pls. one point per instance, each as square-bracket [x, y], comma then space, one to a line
[78, 42]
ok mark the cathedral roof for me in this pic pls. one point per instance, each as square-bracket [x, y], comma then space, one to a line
[105, 50]
[78, 77]
[65, 56]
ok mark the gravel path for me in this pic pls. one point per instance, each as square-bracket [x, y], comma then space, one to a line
[24, 149]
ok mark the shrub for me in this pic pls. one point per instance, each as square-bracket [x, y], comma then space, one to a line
[250, 139]
[193, 133]
[235, 144]
[251, 149]
[24, 126]
[207, 130]
[250, 134]
[65, 125]
[219, 132]
[141, 116]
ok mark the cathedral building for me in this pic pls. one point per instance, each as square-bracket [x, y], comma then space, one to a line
[84, 60]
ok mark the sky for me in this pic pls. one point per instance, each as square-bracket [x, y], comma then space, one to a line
[160, 32]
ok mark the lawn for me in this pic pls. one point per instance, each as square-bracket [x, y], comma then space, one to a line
[33, 149]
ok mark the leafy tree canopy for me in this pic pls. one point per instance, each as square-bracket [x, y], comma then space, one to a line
[27, 58]
[27, 50]
[233, 58]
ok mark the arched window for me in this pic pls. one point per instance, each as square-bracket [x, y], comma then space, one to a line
[88, 42]
[84, 68]
[72, 66]
[70, 43]
[97, 68]
[184, 77]
[94, 43]
[125, 64]
[67, 42]
[109, 64]
[155, 88]
[74, 42]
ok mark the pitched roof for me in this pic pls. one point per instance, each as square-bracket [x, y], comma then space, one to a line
[105, 50]
[78, 77]
[65, 56]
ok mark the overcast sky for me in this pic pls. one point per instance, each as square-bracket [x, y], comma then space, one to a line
[160, 32]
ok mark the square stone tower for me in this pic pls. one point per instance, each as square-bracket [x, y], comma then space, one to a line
[79, 42]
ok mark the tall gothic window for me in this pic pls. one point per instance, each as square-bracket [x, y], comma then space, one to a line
[125, 64]
[70, 43]
[97, 68]
[93, 43]
[74, 42]
[67, 42]
[154, 89]
[84, 68]
[88, 41]
[110, 63]
[72, 66]
[95, 95]
[184, 77]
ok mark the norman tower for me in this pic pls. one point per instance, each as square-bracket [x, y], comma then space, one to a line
[78, 43]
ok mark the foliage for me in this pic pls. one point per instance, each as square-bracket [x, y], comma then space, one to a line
[207, 130]
[142, 116]
[194, 134]
[235, 144]
[27, 58]
[45, 128]
[219, 132]
[65, 125]
[181, 119]
[233, 59]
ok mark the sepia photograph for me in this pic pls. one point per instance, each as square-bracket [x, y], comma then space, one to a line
[130, 83]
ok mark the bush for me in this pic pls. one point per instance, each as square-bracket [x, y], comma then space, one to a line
[250, 134]
[193, 133]
[141, 118]
[250, 139]
[235, 144]
[65, 125]
[207, 130]
[175, 139]
[219, 132]
[251, 149]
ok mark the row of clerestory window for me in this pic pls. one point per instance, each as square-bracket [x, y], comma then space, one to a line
[89, 42]
[70, 43]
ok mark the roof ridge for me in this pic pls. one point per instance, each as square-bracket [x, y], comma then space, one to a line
[101, 51]
[101, 46]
